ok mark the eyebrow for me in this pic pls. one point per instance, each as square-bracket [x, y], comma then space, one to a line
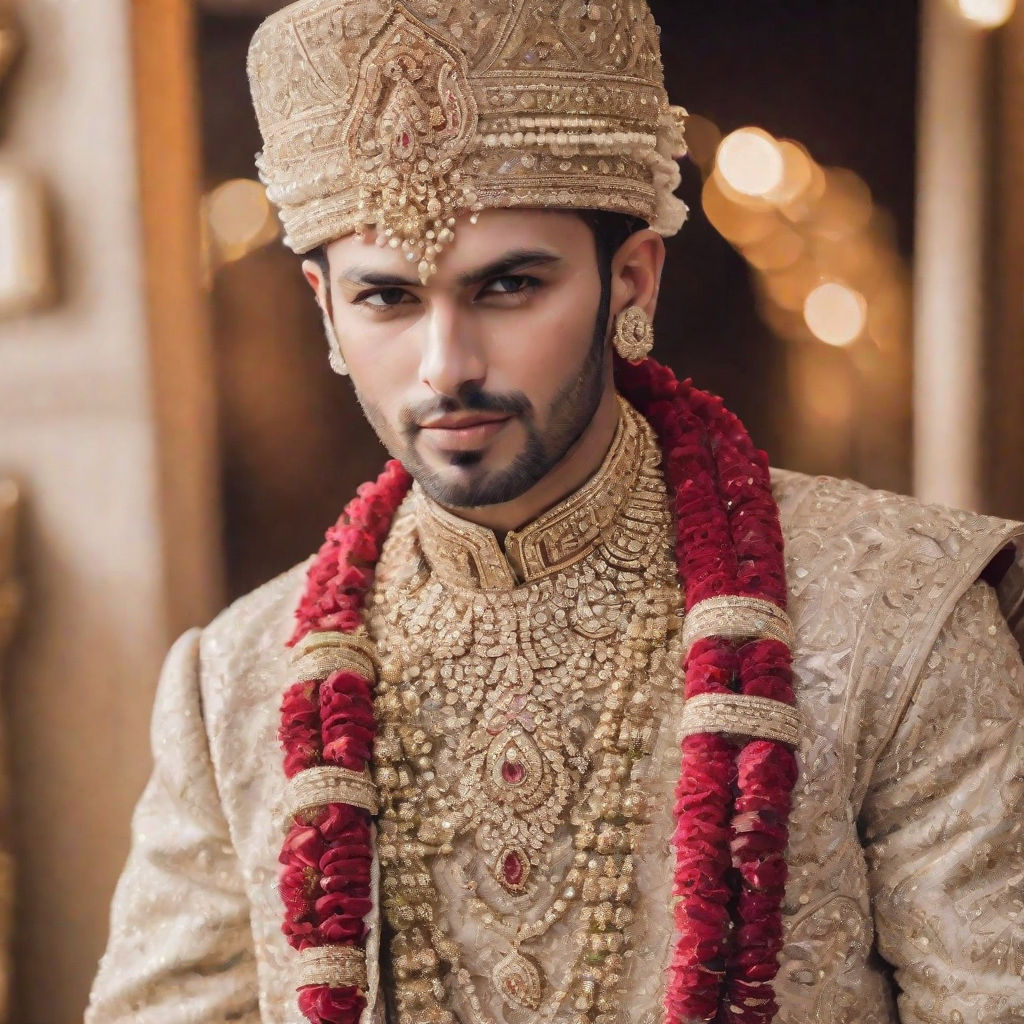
[517, 259]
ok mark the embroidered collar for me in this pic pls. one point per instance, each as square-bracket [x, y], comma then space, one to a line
[465, 554]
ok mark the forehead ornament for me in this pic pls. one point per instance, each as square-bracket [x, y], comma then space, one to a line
[413, 119]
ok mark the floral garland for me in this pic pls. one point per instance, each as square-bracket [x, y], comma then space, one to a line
[733, 799]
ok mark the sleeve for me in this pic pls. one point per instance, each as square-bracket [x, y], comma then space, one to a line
[180, 949]
[943, 825]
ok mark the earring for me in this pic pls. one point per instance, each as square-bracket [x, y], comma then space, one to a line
[634, 334]
[334, 356]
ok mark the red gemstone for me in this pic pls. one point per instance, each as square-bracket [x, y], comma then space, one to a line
[513, 772]
[512, 869]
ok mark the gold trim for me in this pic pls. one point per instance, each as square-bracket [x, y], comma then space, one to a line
[320, 654]
[334, 966]
[467, 554]
[737, 618]
[737, 714]
[328, 784]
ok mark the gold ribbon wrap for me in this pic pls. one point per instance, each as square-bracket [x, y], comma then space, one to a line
[737, 714]
[320, 654]
[334, 966]
[737, 618]
[328, 784]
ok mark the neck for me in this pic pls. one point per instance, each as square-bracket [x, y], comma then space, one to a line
[569, 474]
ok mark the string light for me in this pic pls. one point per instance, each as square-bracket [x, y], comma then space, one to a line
[987, 13]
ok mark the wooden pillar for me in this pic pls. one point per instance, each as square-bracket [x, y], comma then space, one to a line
[1004, 449]
[182, 367]
[949, 264]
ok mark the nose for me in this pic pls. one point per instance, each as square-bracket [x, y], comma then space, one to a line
[451, 355]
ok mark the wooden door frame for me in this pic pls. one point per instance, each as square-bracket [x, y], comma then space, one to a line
[183, 385]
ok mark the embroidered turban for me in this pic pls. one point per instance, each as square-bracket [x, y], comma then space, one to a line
[401, 114]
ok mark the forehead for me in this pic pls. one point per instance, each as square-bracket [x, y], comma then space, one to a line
[496, 233]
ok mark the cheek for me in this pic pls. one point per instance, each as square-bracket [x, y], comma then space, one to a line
[551, 343]
[384, 366]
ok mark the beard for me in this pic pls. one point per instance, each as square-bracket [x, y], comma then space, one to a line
[566, 420]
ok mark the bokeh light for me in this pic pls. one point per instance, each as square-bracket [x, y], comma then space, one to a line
[750, 161]
[987, 13]
[239, 219]
[836, 313]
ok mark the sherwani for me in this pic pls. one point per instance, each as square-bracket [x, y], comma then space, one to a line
[906, 849]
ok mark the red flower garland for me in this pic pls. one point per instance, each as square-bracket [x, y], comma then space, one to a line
[730, 865]
[325, 874]
[731, 804]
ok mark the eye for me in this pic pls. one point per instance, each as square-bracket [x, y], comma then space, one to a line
[388, 298]
[511, 284]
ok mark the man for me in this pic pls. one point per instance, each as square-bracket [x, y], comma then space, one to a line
[574, 570]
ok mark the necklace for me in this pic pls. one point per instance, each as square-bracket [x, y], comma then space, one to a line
[515, 763]
[510, 723]
[731, 797]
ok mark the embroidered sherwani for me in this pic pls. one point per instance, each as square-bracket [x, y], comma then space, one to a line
[502, 667]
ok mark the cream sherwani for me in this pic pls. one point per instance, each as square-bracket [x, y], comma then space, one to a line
[905, 899]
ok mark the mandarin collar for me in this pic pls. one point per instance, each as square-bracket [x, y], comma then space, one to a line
[466, 555]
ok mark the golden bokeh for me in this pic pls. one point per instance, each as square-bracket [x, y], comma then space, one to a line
[987, 13]
[749, 160]
[836, 313]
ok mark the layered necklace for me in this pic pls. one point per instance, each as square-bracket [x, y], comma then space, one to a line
[521, 720]
[731, 803]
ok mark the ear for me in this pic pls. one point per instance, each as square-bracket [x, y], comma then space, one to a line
[636, 272]
[315, 279]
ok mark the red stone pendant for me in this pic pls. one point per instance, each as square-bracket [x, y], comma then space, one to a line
[512, 870]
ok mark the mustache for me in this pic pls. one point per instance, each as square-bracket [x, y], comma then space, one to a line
[470, 398]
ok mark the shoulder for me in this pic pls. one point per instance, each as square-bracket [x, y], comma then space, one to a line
[242, 654]
[826, 510]
[268, 609]
[872, 577]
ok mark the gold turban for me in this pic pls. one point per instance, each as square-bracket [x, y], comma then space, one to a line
[401, 114]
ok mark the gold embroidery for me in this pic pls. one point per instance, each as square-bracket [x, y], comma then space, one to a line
[467, 555]
[405, 114]
[516, 715]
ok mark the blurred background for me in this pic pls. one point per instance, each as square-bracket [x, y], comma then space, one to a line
[171, 434]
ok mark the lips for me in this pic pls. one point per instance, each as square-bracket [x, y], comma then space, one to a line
[463, 433]
[462, 422]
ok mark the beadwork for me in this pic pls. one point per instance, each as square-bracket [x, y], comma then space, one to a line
[404, 114]
[719, 962]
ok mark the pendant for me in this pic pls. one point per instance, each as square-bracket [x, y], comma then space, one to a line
[512, 870]
[518, 980]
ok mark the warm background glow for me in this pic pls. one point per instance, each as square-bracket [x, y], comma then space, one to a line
[750, 162]
[835, 313]
[238, 220]
[987, 13]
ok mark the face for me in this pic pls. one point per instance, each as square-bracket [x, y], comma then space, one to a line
[482, 380]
